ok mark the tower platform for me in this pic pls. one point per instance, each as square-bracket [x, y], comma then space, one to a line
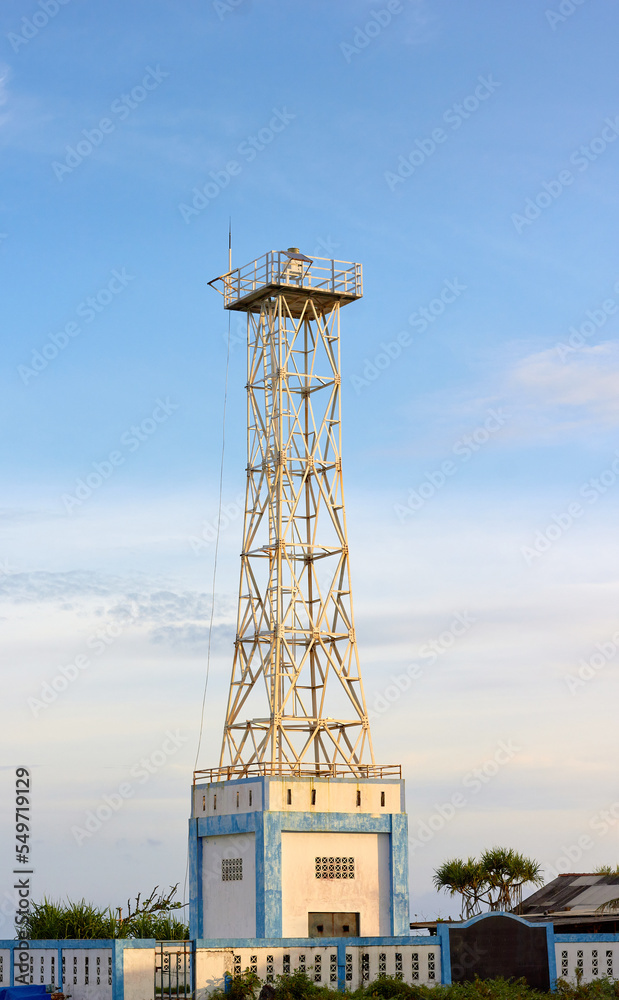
[299, 277]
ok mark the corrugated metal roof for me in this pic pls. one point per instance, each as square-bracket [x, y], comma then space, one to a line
[573, 892]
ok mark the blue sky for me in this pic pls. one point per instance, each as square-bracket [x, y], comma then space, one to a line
[467, 151]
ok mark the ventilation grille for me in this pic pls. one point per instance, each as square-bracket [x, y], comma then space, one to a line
[335, 867]
[232, 870]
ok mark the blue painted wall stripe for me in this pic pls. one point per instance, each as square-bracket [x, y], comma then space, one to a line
[221, 826]
[400, 918]
[273, 874]
[260, 883]
[118, 972]
[195, 881]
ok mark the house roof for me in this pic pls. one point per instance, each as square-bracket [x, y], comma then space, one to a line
[573, 896]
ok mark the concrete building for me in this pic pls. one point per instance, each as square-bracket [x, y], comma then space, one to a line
[299, 857]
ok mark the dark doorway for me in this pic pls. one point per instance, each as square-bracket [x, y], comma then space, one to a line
[333, 925]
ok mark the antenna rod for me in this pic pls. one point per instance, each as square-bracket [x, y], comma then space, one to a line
[229, 244]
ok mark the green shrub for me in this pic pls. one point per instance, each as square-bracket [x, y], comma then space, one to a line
[298, 986]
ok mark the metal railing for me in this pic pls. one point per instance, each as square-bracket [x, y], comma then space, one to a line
[339, 277]
[320, 770]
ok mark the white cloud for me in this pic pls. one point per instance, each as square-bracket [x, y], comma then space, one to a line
[585, 382]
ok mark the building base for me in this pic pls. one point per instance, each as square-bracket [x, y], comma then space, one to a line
[283, 857]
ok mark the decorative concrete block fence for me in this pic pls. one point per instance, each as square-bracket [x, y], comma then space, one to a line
[489, 945]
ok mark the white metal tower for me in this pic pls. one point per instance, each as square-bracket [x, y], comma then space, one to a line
[296, 700]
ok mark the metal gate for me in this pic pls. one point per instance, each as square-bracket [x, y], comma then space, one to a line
[173, 970]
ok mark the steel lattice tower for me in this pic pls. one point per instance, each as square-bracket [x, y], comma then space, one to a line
[296, 703]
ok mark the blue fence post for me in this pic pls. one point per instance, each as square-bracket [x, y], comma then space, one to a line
[552, 956]
[341, 966]
[442, 933]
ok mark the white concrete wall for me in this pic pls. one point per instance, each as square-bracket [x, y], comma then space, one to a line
[211, 966]
[229, 907]
[414, 964]
[80, 979]
[139, 973]
[333, 795]
[594, 959]
[43, 967]
[87, 971]
[225, 798]
[368, 893]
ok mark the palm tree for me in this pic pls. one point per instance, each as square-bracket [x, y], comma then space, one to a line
[496, 879]
[464, 878]
[506, 872]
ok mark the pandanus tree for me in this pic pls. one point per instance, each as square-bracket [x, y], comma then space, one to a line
[506, 872]
[496, 880]
[463, 878]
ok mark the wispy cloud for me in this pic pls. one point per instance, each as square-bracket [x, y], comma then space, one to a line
[585, 384]
[164, 616]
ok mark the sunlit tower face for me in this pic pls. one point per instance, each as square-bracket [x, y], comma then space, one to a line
[296, 698]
